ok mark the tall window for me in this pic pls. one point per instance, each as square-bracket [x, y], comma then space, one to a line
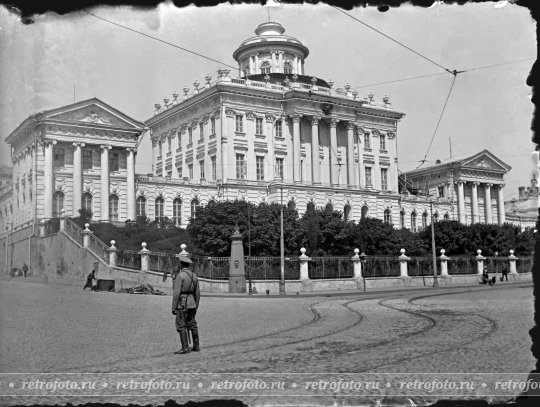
[239, 123]
[190, 171]
[180, 169]
[279, 168]
[159, 206]
[115, 162]
[212, 125]
[87, 159]
[424, 220]
[265, 67]
[441, 191]
[402, 219]
[388, 217]
[259, 125]
[446, 217]
[384, 179]
[367, 141]
[368, 176]
[310, 207]
[413, 222]
[190, 135]
[201, 169]
[240, 166]
[58, 203]
[141, 206]
[279, 128]
[259, 163]
[214, 167]
[287, 68]
[364, 212]
[347, 212]
[435, 217]
[160, 145]
[177, 211]
[382, 139]
[169, 144]
[87, 201]
[201, 130]
[59, 158]
[113, 207]
[194, 206]
[179, 139]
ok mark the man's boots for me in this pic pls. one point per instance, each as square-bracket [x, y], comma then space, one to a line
[184, 341]
[195, 336]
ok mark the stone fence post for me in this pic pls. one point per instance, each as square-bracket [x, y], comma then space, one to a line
[183, 252]
[86, 235]
[62, 220]
[403, 270]
[304, 268]
[357, 266]
[112, 254]
[512, 260]
[144, 263]
[42, 224]
[480, 262]
[444, 263]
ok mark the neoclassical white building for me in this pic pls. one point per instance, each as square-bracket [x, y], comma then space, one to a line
[273, 131]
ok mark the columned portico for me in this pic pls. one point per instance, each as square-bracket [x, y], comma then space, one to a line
[461, 202]
[489, 216]
[500, 204]
[77, 178]
[315, 168]
[104, 214]
[474, 198]
[130, 182]
[48, 178]
[352, 179]
[334, 167]
[296, 147]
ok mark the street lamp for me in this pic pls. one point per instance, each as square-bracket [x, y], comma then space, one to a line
[435, 282]
[363, 260]
[281, 242]
[250, 288]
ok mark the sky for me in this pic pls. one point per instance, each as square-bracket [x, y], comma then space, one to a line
[59, 59]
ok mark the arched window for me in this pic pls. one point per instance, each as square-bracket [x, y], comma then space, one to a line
[58, 203]
[364, 212]
[87, 201]
[413, 222]
[291, 206]
[446, 217]
[113, 207]
[424, 220]
[160, 204]
[194, 206]
[388, 217]
[141, 206]
[329, 207]
[265, 67]
[177, 211]
[310, 206]
[347, 212]
[436, 217]
[287, 68]
[402, 219]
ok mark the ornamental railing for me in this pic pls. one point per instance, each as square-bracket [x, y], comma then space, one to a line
[162, 262]
[73, 230]
[215, 268]
[269, 268]
[381, 266]
[129, 259]
[98, 247]
[330, 267]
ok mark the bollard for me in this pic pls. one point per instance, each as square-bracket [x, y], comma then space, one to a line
[480, 262]
[86, 235]
[144, 263]
[444, 263]
[304, 268]
[512, 260]
[112, 254]
[403, 270]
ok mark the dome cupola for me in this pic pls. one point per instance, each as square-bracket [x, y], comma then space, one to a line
[270, 51]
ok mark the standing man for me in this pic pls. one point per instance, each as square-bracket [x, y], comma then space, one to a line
[90, 280]
[185, 302]
[25, 269]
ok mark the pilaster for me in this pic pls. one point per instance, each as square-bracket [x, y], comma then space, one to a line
[315, 161]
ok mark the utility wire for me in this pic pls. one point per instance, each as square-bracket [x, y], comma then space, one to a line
[439, 121]
[399, 80]
[495, 65]
[391, 39]
[160, 40]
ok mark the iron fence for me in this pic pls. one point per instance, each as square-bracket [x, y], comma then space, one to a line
[381, 266]
[73, 230]
[330, 267]
[462, 265]
[422, 266]
[524, 264]
[269, 268]
[162, 262]
[215, 268]
[99, 248]
[129, 259]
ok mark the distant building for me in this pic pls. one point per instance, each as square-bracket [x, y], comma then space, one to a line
[523, 211]
[6, 174]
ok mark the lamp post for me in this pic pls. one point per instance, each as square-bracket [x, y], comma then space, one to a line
[363, 261]
[250, 288]
[435, 282]
[281, 241]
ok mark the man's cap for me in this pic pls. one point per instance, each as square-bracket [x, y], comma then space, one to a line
[184, 259]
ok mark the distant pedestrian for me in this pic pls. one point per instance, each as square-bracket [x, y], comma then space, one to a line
[25, 269]
[504, 273]
[186, 296]
[90, 280]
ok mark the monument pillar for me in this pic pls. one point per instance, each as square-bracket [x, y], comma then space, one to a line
[237, 274]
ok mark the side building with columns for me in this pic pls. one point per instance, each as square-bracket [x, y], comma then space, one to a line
[474, 185]
[73, 157]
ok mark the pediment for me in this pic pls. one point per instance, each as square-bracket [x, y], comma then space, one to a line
[485, 161]
[93, 112]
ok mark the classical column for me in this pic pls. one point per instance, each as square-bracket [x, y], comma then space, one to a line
[77, 178]
[334, 167]
[461, 202]
[251, 63]
[351, 174]
[489, 217]
[296, 147]
[271, 162]
[48, 178]
[104, 190]
[361, 180]
[474, 208]
[130, 182]
[500, 204]
[256, 58]
[280, 61]
[315, 161]
[273, 69]
[295, 65]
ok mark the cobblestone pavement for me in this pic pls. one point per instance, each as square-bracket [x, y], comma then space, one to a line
[48, 328]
